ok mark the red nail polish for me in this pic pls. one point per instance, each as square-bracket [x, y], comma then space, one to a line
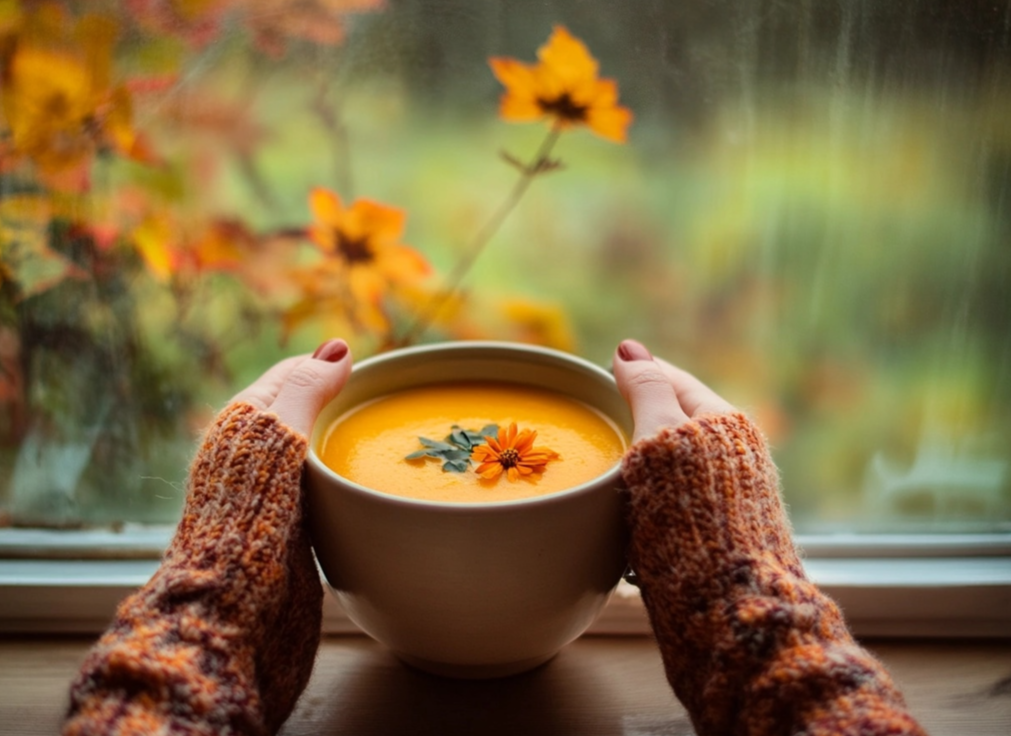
[632, 350]
[331, 351]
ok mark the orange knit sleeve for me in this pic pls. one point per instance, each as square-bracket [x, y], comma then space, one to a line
[749, 644]
[224, 635]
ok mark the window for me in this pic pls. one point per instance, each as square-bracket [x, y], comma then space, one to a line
[810, 208]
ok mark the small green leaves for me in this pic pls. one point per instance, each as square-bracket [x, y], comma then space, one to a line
[455, 449]
[468, 439]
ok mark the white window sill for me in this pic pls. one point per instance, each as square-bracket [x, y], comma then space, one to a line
[899, 586]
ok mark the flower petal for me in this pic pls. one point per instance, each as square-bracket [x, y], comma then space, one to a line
[567, 57]
[366, 284]
[599, 93]
[323, 236]
[611, 123]
[490, 471]
[519, 109]
[515, 75]
[326, 206]
[525, 441]
[483, 453]
[402, 264]
[381, 223]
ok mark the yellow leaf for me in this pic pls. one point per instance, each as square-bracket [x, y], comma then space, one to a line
[153, 239]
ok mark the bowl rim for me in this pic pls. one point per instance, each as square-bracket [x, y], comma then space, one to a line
[609, 479]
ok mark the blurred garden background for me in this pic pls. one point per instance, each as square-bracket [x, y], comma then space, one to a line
[810, 209]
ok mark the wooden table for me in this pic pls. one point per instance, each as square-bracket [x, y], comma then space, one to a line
[597, 685]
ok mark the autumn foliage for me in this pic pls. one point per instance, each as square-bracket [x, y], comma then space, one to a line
[114, 263]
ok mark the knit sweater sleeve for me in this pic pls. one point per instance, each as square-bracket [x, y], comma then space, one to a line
[749, 644]
[223, 637]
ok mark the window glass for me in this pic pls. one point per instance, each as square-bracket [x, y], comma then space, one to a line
[808, 204]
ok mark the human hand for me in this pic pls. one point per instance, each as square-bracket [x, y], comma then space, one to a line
[297, 388]
[660, 394]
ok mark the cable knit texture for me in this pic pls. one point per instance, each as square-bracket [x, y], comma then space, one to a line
[223, 637]
[749, 644]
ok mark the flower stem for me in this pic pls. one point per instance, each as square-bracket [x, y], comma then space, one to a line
[330, 116]
[481, 240]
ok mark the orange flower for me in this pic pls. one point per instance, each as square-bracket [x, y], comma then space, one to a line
[513, 453]
[364, 240]
[563, 87]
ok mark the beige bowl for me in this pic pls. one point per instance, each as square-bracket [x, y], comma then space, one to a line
[470, 590]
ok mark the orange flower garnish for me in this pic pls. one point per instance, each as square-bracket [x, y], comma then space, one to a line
[563, 87]
[512, 453]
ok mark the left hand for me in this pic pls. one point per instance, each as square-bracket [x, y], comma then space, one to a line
[297, 388]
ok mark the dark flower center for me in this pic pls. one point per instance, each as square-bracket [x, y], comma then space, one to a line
[509, 457]
[563, 107]
[354, 250]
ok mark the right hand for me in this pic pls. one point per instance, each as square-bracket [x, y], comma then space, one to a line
[660, 394]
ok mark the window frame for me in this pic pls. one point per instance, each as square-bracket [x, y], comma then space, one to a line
[895, 585]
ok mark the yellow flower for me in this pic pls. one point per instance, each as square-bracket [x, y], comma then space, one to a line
[47, 105]
[512, 453]
[364, 263]
[58, 103]
[563, 87]
[539, 323]
[364, 242]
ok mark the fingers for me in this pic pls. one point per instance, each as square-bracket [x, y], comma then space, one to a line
[647, 389]
[297, 388]
[262, 392]
[661, 394]
[311, 384]
[694, 396]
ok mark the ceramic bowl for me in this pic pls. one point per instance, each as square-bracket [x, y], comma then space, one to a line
[470, 590]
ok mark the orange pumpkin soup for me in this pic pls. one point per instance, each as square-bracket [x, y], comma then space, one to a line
[370, 444]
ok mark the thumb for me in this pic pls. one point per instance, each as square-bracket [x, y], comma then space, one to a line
[311, 385]
[647, 390]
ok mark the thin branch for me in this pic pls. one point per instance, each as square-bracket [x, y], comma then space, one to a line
[539, 165]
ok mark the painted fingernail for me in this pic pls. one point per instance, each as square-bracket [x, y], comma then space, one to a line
[331, 351]
[632, 350]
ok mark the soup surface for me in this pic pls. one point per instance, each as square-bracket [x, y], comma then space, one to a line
[369, 444]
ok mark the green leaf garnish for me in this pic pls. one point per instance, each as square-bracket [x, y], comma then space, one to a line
[455, 449]
[434, 444]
